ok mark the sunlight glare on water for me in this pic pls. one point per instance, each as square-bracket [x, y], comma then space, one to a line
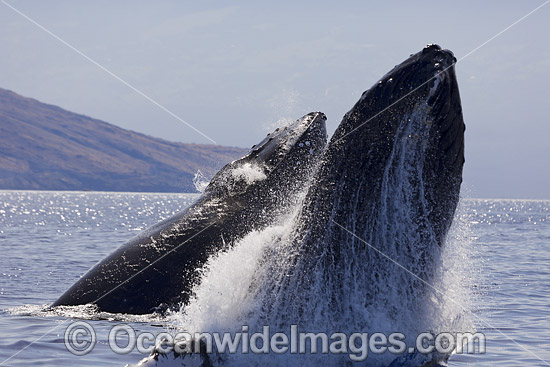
[49, 239]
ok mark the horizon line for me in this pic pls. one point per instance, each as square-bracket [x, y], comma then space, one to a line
[198, 193]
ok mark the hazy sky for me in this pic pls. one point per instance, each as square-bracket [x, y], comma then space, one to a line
[233, 69]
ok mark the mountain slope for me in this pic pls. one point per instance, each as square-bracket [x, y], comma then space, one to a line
[44, 147]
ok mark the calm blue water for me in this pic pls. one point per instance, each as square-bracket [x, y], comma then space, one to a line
[49, 239]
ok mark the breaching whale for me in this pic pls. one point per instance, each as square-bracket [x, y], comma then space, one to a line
[158, 267]
[365, 246]
[389, 180]
[373, 225]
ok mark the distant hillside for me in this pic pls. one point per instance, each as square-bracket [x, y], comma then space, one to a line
[44, 147]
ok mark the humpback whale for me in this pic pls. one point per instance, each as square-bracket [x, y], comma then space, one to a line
[366, 244]
[373, 224]
[158, 267]
[387, 187]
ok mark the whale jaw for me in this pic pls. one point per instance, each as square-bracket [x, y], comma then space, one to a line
[413, 108]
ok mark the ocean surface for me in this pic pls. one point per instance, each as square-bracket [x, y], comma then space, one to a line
[49, 239]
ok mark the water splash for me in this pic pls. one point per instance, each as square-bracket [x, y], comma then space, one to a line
[248, 173]
[200, 181]
[266, 280]
[86, 312]
[285, 104]
[223, 299]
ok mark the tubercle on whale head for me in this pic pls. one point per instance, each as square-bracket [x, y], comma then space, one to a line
[418, 73]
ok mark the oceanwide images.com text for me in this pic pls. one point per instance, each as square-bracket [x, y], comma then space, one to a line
[80, 339]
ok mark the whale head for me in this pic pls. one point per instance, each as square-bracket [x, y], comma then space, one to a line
[287, 156]
[403, 138]
[160, 266]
